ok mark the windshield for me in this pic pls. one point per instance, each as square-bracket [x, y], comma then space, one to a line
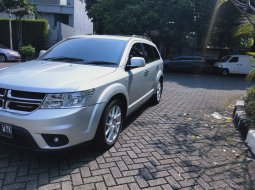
[3, 47]
[224, 59]
[87, 51]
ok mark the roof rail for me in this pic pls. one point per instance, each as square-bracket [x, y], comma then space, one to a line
[140, 36]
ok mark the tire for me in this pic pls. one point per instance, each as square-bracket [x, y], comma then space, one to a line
[225, 72]
[197, 70]
[3, 58]
[112, 122]
[158, 94]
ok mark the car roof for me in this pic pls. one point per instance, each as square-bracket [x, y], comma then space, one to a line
[238, 55]
[182, 56]
[117, 37]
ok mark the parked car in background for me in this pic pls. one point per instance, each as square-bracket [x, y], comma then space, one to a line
[235, 64]
[81, 89]
[195, 64]
[8, 54]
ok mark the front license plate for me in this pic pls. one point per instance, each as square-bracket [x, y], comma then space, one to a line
[6, 130]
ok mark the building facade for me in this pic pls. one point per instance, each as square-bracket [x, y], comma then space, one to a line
[66, 18]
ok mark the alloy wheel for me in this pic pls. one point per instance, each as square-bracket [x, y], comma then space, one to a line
[159, 91]
[113, 124]
[2, 58]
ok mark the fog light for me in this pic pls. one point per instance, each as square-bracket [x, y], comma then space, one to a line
[55, 140]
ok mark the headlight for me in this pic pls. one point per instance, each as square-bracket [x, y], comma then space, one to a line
[67, 100]
[13, 53]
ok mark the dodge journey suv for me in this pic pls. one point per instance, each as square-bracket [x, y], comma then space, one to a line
[80, 90]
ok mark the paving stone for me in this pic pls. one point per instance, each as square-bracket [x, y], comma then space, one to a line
[173, 145]
[109, 180]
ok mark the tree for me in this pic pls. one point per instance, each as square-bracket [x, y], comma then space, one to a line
[15, 4]
[171, 24]
[19, 8]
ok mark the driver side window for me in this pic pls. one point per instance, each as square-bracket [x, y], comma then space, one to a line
[234, 60]
[136, 51]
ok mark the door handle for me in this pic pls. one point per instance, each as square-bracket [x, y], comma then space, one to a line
[146, 72]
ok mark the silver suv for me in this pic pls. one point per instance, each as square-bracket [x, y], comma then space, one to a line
[80, 90]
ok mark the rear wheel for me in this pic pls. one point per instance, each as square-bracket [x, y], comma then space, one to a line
[157, 96]
[110, 125]
[3, 58]
[225, 72]
[197, 70]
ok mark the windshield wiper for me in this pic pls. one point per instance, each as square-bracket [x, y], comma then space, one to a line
[100, 62]
[71, 59]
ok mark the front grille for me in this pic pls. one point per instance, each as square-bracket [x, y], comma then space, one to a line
[21, 102]
[2, 92]
[22, 106]
[26, 95]
[1, 103]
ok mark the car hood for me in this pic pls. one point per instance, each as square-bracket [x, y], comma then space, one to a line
[51, 77]
[217, 64]
[8, 51]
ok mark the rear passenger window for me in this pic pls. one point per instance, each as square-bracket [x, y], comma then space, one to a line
[156, 54]
[151, 53]
[234, 60]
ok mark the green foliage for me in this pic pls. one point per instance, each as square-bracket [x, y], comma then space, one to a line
[170, 23]
[245, 27]
[27, 52]
[34, 32]
[14, 4]
[250, 103]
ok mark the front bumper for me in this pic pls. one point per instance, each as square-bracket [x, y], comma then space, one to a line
[78, 125]
[13, 58]
[217, 69]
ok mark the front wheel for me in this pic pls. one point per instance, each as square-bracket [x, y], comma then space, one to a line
[3, 58]
[225, 72]
[110, 125]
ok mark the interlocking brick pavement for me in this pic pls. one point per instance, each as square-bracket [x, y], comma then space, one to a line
[174, 145]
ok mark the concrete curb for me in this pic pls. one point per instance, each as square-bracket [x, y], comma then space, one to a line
[244, 123]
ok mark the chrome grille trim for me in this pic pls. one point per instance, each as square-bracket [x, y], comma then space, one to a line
[11, 100]
[2, 92]
[8, 109]
[9, 95]
[2, 103]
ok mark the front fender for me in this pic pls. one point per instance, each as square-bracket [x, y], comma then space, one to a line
[111, 91]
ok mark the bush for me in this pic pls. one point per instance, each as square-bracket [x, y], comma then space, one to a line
[34, 32]
[27, 52]
[250, 103]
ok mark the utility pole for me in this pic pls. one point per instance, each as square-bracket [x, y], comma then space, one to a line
[10, 29]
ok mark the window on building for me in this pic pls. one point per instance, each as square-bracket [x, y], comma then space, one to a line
[63, 2]
[63, 18]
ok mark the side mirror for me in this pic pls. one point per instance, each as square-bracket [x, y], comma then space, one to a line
[136, 62]
[42, 52]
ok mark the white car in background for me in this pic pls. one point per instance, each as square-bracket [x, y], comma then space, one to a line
[235, 64]
[8, 54]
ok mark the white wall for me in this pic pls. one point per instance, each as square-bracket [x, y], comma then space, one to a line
[82, 24]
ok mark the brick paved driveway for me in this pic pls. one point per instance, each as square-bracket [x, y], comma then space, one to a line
[175, 145]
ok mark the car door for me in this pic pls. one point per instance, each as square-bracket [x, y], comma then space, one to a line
[152, 59]
[137, 77]
[234, 66]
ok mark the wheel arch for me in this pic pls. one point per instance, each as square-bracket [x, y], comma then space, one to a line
[160, 77]
[115, 91]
